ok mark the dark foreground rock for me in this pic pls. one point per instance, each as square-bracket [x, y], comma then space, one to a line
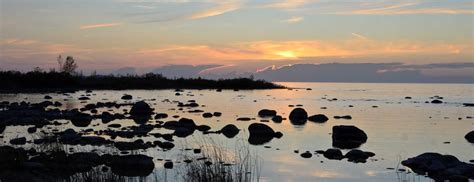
[440, 167]
[347, 137]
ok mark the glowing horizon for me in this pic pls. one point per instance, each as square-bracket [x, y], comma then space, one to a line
[150, 33]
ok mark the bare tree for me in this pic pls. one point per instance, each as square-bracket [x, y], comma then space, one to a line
[69, 66]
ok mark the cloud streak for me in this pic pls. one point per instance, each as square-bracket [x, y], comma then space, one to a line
[294, 19]
[102, 25]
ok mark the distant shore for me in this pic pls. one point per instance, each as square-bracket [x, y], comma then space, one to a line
[33, 82]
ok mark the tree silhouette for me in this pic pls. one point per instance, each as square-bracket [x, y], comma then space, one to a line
[69, 66]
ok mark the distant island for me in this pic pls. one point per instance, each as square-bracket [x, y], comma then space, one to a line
[40, 81]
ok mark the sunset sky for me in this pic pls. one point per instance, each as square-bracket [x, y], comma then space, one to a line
[109, 34]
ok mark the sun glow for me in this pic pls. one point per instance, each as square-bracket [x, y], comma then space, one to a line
[286, 54]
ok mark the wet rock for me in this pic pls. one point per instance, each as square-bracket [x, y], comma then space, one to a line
[131, 165]
[348, 137]
[436, 101]
[84, 98]
[318, 118]
[207, 115]
[440, 167]
[47, 97]
[470, 137]
[230, 131]
[261, 134]
[267, 113]
[298, 116]
[114, 125]
[333, 154]
[168, 165]
[32, 129]
[358, 156]
[203, 128]
[18, 141]
[141, 109]
[81, 119]
[127, 97]
[165, 145]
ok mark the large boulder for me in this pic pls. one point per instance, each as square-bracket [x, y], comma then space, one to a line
[348, 137]
[298, 116]
[261, 134]
[141, 108]
[267, 113]
[440, 167]
[470, 137]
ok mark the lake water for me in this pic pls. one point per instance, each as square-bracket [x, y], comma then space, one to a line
[397, 128]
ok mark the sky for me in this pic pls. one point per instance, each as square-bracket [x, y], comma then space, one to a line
[111, 34]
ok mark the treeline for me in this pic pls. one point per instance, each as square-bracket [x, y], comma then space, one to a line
[39, 81]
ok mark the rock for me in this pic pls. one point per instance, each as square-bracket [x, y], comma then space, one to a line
[408, 97]
[18, 141]
[141, 108]
[114, 125]
[277, 119]
[436, 101]
[343, 117]
[217, 114]
[440, 167]
[358, 156]
[333, 154]
[47, 97]
[203, 128]
[468, 104]
[306, 154]
[131, 165]
[161, 116]
[32, 129]
[207, 115]
[168, 165]
[261, 134]
[347, 137]
[165, 145]
[470, 137]
[267, 113]
[81, 119]
[84, 98]
[298, 116]
[127, 97]
[244, 119]
[318, 118]
[230, 131]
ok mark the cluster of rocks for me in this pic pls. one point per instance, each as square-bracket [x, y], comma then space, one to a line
[440, 167]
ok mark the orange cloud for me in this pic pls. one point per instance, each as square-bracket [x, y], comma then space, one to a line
[103, 25]
[295, 19]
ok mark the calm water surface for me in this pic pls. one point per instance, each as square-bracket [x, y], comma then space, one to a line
[397, 129]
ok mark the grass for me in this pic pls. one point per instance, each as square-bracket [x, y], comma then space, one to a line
[239, 165]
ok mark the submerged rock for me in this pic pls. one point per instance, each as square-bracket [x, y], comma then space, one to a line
[440, 167]
[306, 154]
[348, 137]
